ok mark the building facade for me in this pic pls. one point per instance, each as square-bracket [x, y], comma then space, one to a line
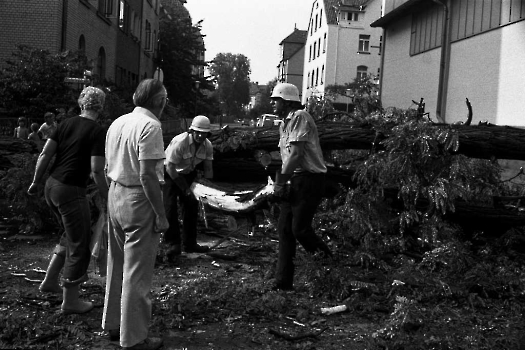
[448, 50]
[118, 37]
[341, 45]
[291, 64]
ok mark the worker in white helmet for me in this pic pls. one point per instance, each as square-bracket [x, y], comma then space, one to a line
[184, 155]
[304, 170]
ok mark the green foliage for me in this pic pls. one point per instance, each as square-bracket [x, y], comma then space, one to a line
[418, 159]
[32, 212]
[33, 81]
[363, 93]
[179, 45]
[231, 73]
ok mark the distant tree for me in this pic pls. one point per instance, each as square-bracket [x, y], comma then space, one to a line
[179, 44]
[33, 81]
[363, 92]
[231, 73]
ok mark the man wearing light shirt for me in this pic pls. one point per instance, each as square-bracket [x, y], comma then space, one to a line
[134, 158]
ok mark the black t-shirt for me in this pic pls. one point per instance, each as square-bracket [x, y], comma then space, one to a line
[78, 139]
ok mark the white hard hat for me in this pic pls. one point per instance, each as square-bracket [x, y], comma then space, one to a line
[286, 91]
[200, 123]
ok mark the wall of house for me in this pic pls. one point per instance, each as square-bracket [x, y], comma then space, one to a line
[341, 58]
[33, 23]
[389, 5]
[488, 69]
[147, 64]
[98, 32]
[474, 78]
[511, 98]
[294, 69]
[406, 78]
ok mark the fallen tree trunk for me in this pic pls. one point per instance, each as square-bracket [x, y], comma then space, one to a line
[484, 142]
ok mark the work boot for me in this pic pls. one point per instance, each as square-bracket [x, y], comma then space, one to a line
[196, 249]
[147, 344]
[50, 283]
[173, 251]
[71, 303]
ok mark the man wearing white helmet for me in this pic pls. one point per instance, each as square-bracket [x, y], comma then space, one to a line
[185, 153]
[303, 166]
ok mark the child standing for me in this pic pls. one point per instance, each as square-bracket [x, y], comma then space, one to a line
[21, 131]
[49, 126]
[33, 136]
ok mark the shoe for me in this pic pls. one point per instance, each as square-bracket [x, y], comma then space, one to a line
[114, 334]
[173, 251]
[147, 344]
[197, 249]
[85, 307]
[281, 286]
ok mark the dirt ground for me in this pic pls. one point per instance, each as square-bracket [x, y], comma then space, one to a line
[216, 301]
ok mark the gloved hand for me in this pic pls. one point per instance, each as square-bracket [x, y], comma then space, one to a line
[281, 192]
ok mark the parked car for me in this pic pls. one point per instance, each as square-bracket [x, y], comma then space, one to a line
[268, 120]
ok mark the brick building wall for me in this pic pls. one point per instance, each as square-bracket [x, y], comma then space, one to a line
[40, 24]
[35, 23]
[98, 32]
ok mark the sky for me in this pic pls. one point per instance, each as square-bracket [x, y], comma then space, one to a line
[253, 28]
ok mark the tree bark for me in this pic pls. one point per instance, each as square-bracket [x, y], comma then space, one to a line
[484, 142]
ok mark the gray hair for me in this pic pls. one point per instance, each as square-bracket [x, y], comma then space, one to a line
[146, 92]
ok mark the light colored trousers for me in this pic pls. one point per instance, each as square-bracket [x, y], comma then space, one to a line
[132, 248]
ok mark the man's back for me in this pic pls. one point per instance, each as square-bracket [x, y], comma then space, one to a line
[131, 138]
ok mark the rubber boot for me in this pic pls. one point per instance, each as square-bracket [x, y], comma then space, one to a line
[50, 284]
[71, 303]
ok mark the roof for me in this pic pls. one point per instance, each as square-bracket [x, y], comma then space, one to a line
[332, 6]
[330, 11]
[400, 11]
[298, 36]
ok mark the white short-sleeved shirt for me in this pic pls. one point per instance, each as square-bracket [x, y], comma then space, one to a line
[299, 126]
[183, 153]
[131, 138]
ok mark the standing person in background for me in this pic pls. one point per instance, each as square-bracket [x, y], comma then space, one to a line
[33, 136]
[78, 144]
[184, 153]
[135, 167]
[304, 167]
[48, 127]
[21, 131]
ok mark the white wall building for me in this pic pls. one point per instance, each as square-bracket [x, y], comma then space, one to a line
[478, 53]
[341, 45]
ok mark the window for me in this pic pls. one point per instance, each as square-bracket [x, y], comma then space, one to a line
[308, 81]
[316, 76]
[364, 43]
[316, 21]
[324, 43]
[106, 7]
[361, 72]
[101, 64]
[310, 54]
[123, 16]
[322, 75]
[147, 44]
[352, 16]
[318, 47]
[313, 77]
[82, 45]
[320, 18]
[315, 48]
[311, 27]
